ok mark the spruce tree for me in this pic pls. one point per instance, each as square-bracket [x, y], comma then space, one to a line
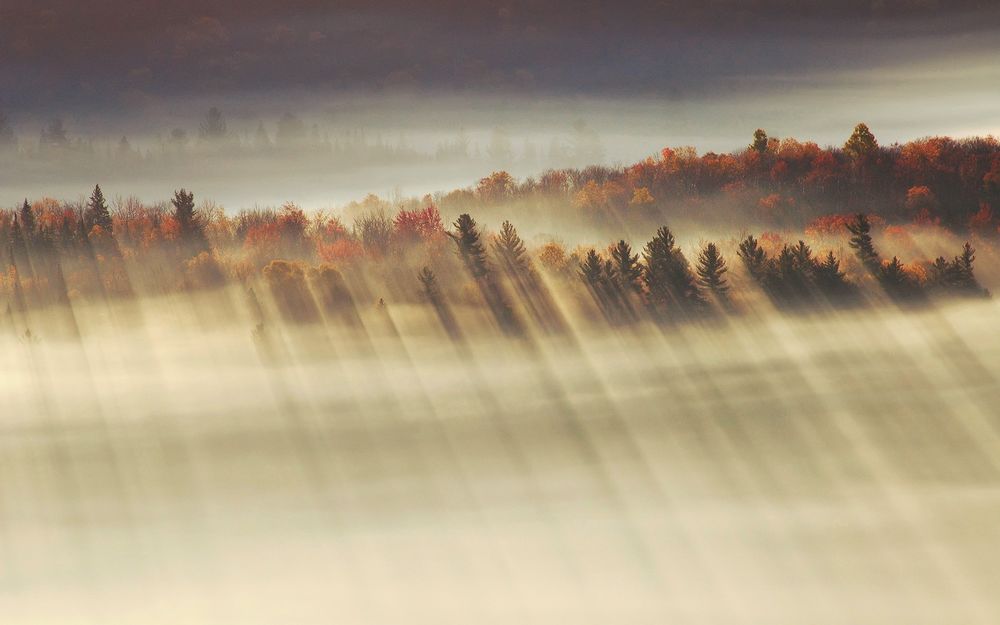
[898, 283]
[473, 255]
[829, 277]
[97, 213]
[27, 221]
[184, 212]
[470, 246]
[861, 242]
[753, 256]
[667, 276]
[510, 249]
[711, 267]
[627, 271]
[592, 271]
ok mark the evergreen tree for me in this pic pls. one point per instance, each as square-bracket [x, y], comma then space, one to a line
[831, 281]
[627, 271]
[753, 256]
[429, 285]
[804, 261]
[510, 248]
[828, 275]
[963, 266]
[895, 280]
[592, 271]
[711, 268]
[470, 246]
[668, 277]
[27, 221]
[473, 255]
[942, 273]
[861, 242]
[963, 276]
[759, 144]
[432, 293]
[187, 217]
[97, 213]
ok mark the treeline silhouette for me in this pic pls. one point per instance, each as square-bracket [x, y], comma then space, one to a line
[316, 268]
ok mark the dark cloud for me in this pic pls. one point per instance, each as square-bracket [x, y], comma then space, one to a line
[104, 54]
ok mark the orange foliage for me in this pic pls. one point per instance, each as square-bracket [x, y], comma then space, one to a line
[339, 251]
[496, 187]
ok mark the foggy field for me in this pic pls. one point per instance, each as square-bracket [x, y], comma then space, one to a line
[177, 467]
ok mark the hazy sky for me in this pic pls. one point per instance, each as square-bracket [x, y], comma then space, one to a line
[61, 56]
[640, 74]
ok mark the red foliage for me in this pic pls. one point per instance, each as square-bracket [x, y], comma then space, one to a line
[410, 226]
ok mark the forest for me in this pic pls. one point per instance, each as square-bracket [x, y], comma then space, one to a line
[809, 228]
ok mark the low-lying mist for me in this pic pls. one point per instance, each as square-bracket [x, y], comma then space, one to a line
[182, 462]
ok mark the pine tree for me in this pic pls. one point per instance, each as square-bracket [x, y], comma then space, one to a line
[97, 213]
[830, 280]
[828, 274]
[861, 242]
[753, 256]
[898, 283]
[627, 271]
[711, 267]
[470, 246]
[429, 285]
[667, 276]
[592, 271]
[804, 261]
[510, 248]
[27, 221]
[963, 266]
[473, 255]
[942, 273]
[964, 278]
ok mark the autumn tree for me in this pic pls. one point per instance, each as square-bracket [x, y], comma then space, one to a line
[861, 144]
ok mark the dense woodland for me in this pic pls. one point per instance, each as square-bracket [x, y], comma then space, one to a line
[315, 266]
